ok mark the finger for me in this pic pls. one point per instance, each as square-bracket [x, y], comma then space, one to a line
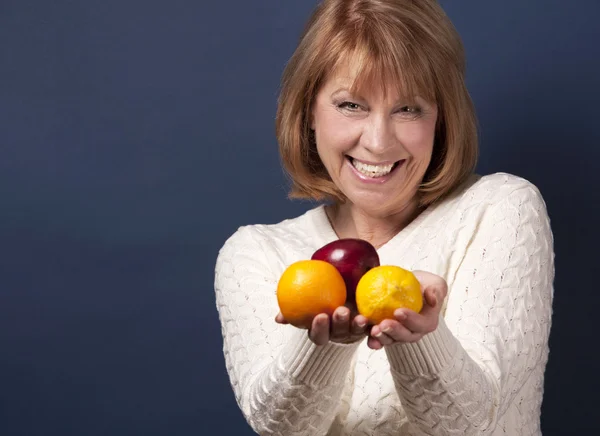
[383, 338]
[427, 278]
[359, 325]
[420, 274]
[340, 324]
[397, 332]
[319, 332]
[418, 323]
[430, 297]
[432, 282]
[374, 344]
[279, 319]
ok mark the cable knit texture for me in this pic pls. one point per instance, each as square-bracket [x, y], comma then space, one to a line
[480, 373]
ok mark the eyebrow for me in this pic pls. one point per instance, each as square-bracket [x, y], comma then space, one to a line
[341, 90]
[400, 100]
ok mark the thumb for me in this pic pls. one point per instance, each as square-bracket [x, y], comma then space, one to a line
[279, 319]
[432, 283]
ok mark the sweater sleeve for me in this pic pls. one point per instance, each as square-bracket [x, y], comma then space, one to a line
[462, 377]
[283, 383]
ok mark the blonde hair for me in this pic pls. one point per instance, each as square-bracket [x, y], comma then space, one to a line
[409, 43]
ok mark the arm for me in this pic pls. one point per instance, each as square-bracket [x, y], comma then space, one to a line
[462, 377]
[283, 383]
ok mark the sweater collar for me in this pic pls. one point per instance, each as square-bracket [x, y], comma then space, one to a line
[324, 232]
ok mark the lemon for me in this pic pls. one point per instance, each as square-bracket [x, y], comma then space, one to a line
[383, 289]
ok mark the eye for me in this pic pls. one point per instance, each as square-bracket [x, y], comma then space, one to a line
[348, 105]
[415, 110]
[410, 112]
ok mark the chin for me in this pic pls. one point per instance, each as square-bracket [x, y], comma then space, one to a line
[379, 204]
[374, 206]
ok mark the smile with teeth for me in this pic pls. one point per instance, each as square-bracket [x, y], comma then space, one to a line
[372, 171]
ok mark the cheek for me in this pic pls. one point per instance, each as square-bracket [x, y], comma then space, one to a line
[334, 135]
[418, 139]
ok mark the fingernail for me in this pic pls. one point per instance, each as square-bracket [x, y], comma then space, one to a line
[361, 324]
[378, 334]
[400, 315]
[386, 330]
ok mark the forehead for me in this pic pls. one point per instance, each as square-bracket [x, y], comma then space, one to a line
[358, 78]
[363, 72]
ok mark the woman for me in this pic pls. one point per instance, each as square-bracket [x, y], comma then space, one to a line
[375, 120]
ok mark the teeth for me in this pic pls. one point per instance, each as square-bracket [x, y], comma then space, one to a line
[372, 170]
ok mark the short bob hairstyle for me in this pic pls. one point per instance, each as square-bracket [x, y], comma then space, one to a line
[410, 44]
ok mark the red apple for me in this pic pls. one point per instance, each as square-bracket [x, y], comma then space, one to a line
[352, 258]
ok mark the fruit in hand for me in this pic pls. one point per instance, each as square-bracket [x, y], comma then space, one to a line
[352, 258]
[307, 288]
[386, 288]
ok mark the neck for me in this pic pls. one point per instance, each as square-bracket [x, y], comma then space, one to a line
[350, 222]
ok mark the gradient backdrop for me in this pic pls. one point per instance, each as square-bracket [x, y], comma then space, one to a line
[136, 136]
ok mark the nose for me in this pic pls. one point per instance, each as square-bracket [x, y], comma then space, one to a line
[379, 134]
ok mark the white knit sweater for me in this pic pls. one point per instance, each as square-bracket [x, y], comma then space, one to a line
[480, 373]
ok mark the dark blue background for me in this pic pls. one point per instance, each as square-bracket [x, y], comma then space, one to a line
[136, 136]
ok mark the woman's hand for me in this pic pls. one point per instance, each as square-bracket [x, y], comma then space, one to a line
[409, 326]
[343, 327]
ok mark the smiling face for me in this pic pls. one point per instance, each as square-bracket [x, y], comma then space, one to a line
[376, 146]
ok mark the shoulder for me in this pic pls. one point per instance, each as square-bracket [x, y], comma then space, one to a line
[498, 190]
[491, 204]
[277, 244]
[503, 203]
[287, 230]
[502, 184]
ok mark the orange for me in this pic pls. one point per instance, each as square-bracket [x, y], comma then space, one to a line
[383, 289]
[307, 288]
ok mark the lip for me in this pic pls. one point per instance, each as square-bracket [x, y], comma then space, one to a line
[366, 162]
[376, 180]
